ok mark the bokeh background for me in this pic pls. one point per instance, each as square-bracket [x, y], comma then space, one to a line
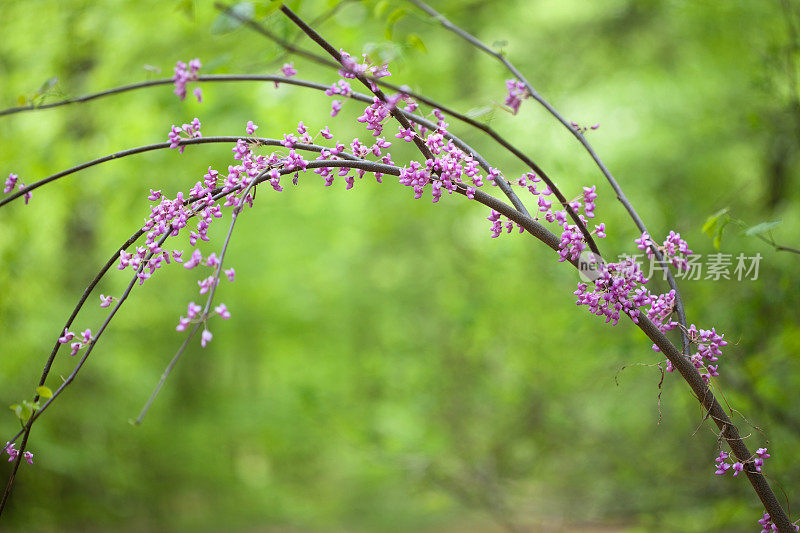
[388, 366]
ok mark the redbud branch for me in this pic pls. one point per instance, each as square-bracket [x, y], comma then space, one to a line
[786, 249]
[728, 430]
[52, 356]
[160, 146]
[369, 166]
[684, 366]
[688, 371]
[504, 186]
[578, 135]
[316, 23]
[74, 372]
[531, 225]
[581, 138]
[204, 316]
[238, 77]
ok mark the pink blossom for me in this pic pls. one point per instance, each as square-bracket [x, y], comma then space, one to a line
[205, 338]
[222, 311]
[288, 69]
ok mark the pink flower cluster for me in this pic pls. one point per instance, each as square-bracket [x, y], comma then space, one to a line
[351, 68]
[582, 129]
[618, 290]
[186, 131]
[572, 242]
[288, 70]
[376, 114]
[13, 453]
[171, 215]
[517, 92]
[14, 181]
[183, 75]
[709, 347]
[723, 465]
[674, 249]
[67, 336]
[193, 315]
[767, 526]
[448, 171]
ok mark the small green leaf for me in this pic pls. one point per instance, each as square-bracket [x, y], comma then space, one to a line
[47, 85]
[24, 411]
[44, 392]
[22, 100]
[13, 407]
[477, 112]
[762, 228]
[710, 226]
[381, 7]
[717, 240]
[416, 42]
[233, 18]
[394, 16]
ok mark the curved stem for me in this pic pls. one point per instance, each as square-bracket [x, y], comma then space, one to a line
[52, 356]
[160, 146]
[236, 78]
[421, 98]
[582, 139]
[368, 166]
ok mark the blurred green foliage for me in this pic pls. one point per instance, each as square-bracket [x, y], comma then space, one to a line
[388, 367]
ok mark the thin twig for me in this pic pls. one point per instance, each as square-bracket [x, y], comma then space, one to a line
[204, 316]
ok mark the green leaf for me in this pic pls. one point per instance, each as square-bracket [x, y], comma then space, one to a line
[24, 411]
[44, 392]
[394, 16]
[22, 100]
[47, 85]
[477, 112]
[416, 42]
[710, 226]
[380, 8]
[230, 20]
[762, 228]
